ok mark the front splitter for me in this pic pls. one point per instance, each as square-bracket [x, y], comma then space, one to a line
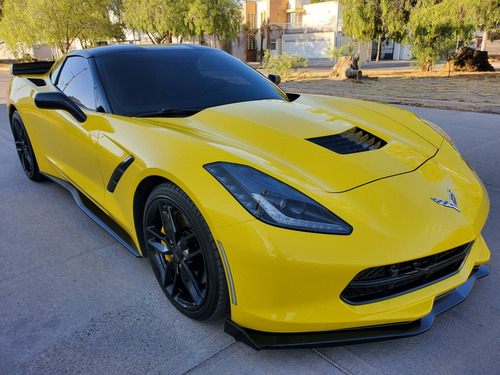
[269, 340]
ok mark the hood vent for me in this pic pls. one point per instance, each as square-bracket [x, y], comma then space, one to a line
[351, 141]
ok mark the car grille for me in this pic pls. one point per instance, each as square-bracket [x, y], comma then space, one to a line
[379, 283]
[351, 141]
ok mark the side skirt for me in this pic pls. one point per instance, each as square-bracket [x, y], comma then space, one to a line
[98, 215]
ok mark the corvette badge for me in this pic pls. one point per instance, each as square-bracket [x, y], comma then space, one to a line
[452, 203]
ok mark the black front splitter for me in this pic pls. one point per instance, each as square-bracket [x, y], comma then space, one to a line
[268, 340]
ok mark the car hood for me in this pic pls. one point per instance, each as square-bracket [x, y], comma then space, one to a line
[284, 139]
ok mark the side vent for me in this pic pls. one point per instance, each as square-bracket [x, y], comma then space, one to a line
[38, 81]
[351, 141]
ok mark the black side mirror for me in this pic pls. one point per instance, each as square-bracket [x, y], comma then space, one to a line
[274, 78]
[57, 100]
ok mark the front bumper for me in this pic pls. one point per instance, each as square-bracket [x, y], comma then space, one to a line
[266, 340]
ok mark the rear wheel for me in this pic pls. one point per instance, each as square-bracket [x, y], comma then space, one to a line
[24, 148]
[183, 254]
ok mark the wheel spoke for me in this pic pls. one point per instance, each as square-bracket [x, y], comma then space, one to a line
[160, 266]
[184, 241]
[159, 241]
[172, 274]
[19, 146]
[27, 159]
[167, 214]
[191, 284]
[19, 131]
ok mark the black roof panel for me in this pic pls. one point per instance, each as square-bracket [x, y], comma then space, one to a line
[123, 48]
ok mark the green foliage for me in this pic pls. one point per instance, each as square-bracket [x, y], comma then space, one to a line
[395, 15]
[55, 22]
[487, 13]
[436, 29]
[219, 18]
[158, 19]
[283, 65]
[345, 50]
[362, 19]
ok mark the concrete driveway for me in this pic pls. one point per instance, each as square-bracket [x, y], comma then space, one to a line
[73, 300]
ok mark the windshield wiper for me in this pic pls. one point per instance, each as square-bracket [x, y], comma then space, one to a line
[169, 112]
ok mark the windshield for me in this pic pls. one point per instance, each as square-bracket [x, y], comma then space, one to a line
[179, 82]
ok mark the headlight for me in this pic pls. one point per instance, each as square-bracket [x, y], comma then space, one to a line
[274, 202]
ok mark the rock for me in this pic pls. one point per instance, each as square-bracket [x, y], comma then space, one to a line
[469, 60]
[346, 67]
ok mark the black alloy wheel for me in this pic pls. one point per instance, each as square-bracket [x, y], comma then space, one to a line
[183, 254]
[24, 148]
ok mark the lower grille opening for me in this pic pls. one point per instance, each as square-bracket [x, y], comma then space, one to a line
[383, 282]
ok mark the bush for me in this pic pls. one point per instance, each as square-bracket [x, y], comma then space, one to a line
[283, 65]
[345, 50]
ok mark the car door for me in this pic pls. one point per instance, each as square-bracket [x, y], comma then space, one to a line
[72, 145]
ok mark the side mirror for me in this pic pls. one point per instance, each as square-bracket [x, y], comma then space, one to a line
[57, 100]
[274, 78]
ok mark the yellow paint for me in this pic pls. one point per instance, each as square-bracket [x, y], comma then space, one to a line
[285, 280]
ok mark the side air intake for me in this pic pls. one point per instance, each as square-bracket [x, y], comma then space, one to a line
[351, 141]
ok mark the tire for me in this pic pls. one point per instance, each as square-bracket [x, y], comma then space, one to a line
[24, 148]
[183, 254]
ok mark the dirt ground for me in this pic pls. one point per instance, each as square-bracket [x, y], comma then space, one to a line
[463, 91]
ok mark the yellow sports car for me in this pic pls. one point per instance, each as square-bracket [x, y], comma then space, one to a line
[308, 220]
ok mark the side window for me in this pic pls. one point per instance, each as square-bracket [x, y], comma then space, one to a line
[75, 80]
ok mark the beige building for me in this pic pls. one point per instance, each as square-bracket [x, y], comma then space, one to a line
[298, 27]
[291, 26]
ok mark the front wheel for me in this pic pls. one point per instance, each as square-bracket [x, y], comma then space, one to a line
[183, 254]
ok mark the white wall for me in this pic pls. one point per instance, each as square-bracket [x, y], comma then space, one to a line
[320, 14]
[309, 45]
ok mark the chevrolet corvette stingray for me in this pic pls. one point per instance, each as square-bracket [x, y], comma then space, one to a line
[306, 220]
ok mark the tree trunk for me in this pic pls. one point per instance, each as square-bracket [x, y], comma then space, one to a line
[427, 65]
[261, 47]
[485, 40]
[346, 67]
[268, 39]
[379, 46]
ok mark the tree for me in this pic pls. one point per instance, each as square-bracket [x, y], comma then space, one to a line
[160, 20]
[395, 15]
[265, 31]
[438, 29]
[363, 20]
[57, 22]
[218, 18]
[487, 18]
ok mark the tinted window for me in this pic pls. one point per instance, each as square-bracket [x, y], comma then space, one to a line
[152, 80]
[75, 80]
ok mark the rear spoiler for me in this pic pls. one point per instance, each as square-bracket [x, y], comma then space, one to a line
[40, 67]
